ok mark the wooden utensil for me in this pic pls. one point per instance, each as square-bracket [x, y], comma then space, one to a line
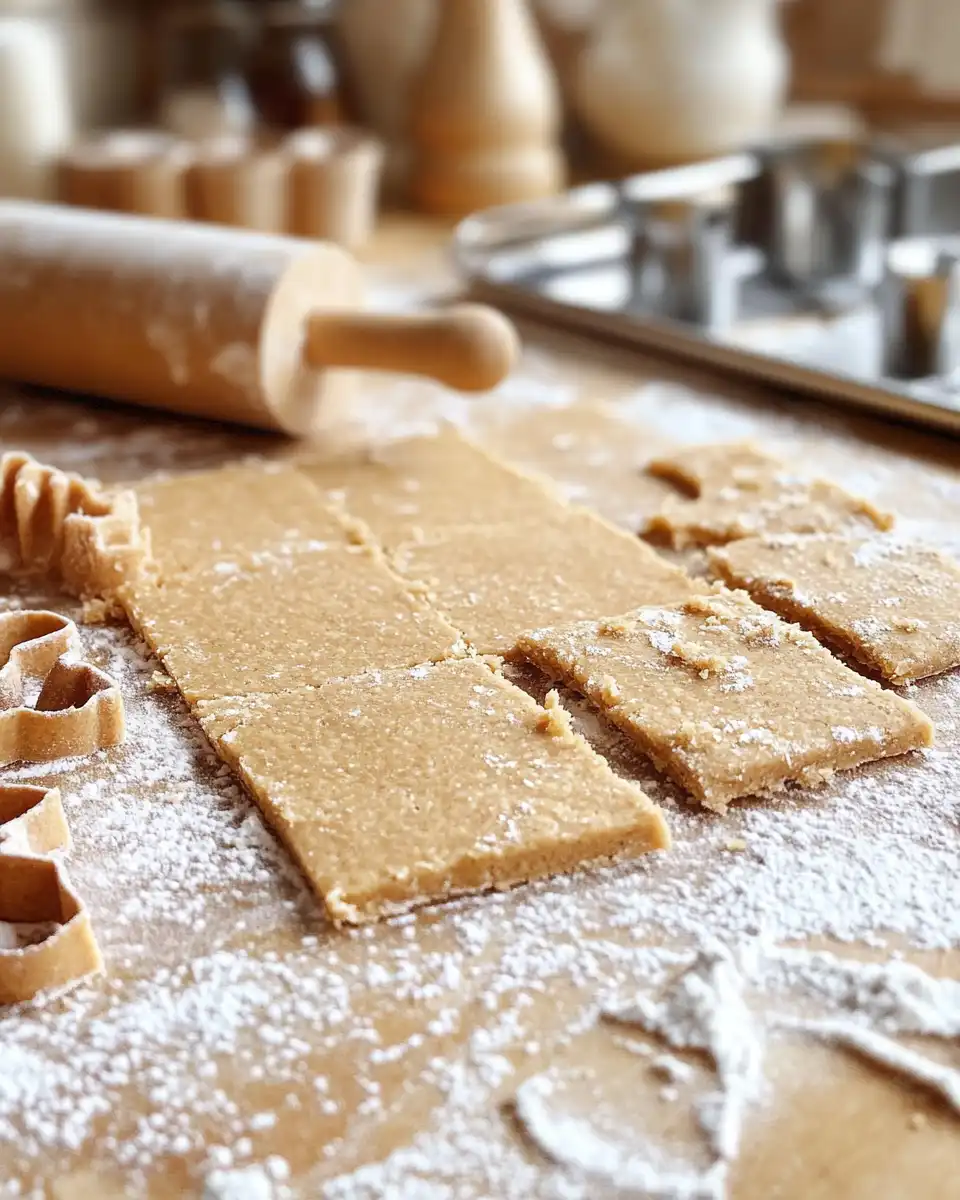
[485, 115]
[214, 322]
[333, 184]
[234, 180]
[126, 170]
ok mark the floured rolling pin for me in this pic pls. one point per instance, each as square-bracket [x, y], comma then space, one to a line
[214, 322]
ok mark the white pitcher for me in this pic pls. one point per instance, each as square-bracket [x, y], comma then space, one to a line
[670, 80]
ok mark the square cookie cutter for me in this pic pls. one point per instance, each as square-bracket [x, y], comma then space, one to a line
[826, 267]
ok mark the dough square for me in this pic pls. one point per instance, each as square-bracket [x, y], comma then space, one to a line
[493, 583]
[891, 606]
[592, 451]
[727, 699]
[396, 788]
[421, 487]
[267, 623]
[737, 491]
[197, 520]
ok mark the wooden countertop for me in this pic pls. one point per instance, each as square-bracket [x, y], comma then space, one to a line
[233, 1028]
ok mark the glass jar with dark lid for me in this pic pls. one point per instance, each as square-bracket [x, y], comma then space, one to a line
[203, 50]
[293, 70]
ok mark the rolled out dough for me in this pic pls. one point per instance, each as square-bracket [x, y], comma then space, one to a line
[727, 699]
[395, 788]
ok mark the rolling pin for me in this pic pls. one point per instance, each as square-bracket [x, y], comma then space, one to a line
[213, 322]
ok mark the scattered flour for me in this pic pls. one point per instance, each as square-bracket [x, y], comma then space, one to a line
[705, 1010]
[232, 1022]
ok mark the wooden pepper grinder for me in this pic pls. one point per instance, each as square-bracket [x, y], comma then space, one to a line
[485, 119]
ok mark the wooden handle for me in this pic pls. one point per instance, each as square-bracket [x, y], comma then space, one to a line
[468, 347]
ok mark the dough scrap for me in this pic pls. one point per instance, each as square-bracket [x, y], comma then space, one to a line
[34, 891]
[32, 820]
[893, 607]
[55, 523]
[726, 698]
[737, 491]
[397, 788]
[79, 709]
[492, 583]
[30, 643]
[422, 487]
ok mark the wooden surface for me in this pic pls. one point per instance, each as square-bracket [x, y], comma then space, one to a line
[232, 1025]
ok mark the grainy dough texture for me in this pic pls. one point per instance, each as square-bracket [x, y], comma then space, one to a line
[200, 520]
[310, 660]
[592, 451]
[727, 699]
[737, 491]
[421, 487]
[893, 607]
[400, 787]
[493, 583]
[268, 622]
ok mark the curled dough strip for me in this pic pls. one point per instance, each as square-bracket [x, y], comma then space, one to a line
[34, 891]
[30, 643]
[79, 711]
[55, 523]
[32, 820]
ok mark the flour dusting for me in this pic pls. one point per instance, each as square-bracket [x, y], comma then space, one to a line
[240, 1047]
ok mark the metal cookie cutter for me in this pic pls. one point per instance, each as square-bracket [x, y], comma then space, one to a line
[683, 256]
[926, 163]
[826, 214]
[920, 308]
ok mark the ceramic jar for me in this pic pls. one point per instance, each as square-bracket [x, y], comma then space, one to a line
[666, 81]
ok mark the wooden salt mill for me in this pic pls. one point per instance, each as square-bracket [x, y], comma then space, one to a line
[485, 117]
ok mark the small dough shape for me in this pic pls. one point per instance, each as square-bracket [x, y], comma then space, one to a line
[34, 891]
[892, 607]
[79, 709]
[726, 698]
[738, 490]
[30, 643]
[55, 523]
[32, 820]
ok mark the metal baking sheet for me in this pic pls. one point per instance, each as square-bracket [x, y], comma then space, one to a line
[572, 260]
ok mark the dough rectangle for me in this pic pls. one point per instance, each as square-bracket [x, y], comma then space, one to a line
[268, 623]
[201, 519]
[727, 699]
[893, 607]
[396, 788]
[422, 487]
[493, 583]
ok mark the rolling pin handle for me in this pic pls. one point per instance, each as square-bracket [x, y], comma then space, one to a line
[469, 347]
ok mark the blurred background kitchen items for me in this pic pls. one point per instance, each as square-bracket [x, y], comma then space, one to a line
[203, 89]
[667, 81]
[485, 117]
[383, 45]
